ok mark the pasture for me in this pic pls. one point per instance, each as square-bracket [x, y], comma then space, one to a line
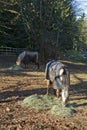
[17, 85]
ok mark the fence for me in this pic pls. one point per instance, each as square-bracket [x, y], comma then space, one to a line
[11, 51]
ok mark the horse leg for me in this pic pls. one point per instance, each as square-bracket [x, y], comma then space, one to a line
[57, 93]
[48, 86]
[65, 96]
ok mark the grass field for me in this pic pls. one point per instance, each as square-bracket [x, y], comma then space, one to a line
[15, 86]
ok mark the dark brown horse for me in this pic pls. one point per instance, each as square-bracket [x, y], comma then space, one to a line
[28, 56]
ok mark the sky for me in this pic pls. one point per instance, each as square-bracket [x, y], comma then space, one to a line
[82, 5]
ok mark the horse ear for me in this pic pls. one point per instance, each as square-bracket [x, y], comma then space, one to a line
[61, 71]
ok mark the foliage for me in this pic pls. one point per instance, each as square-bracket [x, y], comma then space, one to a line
[75, 56]
[11, 28]
[84, 34]
[39, 25]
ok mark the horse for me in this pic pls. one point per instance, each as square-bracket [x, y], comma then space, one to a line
[58, 76]
[28, 56]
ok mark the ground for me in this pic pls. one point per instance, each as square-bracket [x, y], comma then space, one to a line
[16, 85]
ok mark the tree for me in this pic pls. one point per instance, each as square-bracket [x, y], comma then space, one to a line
[39, 25]
[11, 27]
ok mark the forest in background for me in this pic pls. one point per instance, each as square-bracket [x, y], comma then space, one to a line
[49, 26]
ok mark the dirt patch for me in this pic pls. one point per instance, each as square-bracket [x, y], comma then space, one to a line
[15, 86]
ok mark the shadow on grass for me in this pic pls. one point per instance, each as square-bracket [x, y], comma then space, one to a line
[79, 94]
[20, 73]
[79, 90]
[19, 95]
[76, 68]
[8, 61]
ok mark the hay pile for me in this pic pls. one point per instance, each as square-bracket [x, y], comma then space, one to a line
[40, 102]
[15, 67]
[63, 111]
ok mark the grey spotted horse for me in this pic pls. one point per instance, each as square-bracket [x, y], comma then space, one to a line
[58, 76]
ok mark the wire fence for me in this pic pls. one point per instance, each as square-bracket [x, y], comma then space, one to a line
[8, 51]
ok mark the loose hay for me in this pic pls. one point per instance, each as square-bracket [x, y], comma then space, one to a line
[63, 111]
[15, 67]
[40, 102]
